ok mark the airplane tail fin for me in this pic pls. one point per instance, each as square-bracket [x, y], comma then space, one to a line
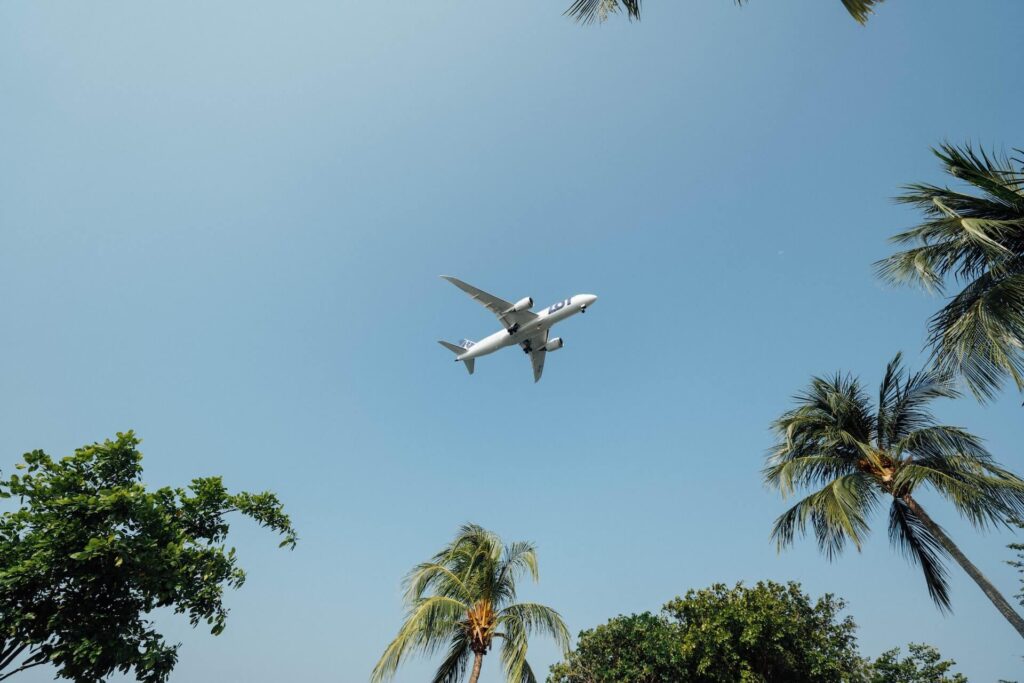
[458, 351]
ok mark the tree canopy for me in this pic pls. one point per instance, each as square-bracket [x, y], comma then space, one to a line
[90, 553]
[769, 633]
[923, 664]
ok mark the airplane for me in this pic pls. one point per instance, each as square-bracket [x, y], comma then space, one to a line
[522, 326]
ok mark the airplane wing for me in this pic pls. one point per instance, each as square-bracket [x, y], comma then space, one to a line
[498, 307]
[535, 347]
[538, 363]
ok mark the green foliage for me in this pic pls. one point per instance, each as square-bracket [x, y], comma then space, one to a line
[90, 553]
[860, 453]
[974, 238]
[763, 634]
[590, 11]
[1018, 563]
[770, 633]
[641, 647]
[464, 598]
[924, 664]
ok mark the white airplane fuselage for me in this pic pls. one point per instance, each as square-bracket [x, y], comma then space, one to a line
[545, 319]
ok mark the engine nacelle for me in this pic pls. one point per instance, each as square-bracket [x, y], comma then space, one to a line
[523, 304]
[554, 344]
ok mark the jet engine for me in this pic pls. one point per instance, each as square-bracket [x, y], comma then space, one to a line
[554, 344]
[523, 304]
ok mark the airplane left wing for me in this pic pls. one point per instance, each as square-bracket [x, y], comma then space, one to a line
[535, 347]
[499, 307]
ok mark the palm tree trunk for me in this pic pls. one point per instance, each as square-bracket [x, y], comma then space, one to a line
[477, 662]
[986, 587]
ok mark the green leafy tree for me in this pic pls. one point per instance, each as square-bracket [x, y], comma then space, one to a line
[590, 11]
[765, 634]
[923, 664]
[642, 648]
[90, 553]
[861, 454]
[974, 239]
[769, 632]
[463, 599]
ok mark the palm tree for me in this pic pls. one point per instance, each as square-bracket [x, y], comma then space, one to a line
[860, 454]
[589, 11]
[464, 598]
[976, 240]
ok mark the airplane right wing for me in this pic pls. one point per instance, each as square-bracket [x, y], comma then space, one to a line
[499, 307]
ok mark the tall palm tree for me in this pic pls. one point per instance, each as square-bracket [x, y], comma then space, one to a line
[976, 240]
[589, 11]
[860, 454]
[464, 598]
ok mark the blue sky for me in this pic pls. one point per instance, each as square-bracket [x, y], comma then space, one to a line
[221, 225]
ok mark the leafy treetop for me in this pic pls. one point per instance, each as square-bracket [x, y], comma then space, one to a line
[90, 553]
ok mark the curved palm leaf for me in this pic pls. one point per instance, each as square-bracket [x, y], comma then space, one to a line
[836, 513]
[590, 11]
[976, 241]
[917, 543]
[454, 666]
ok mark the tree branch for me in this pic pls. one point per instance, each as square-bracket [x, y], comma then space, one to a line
[10, 655]
[28, 665]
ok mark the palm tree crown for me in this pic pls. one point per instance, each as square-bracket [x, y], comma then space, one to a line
[859, 454]
[976, 240]
[462, 600]
[589, 11]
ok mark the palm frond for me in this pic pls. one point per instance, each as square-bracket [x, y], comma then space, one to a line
[429, 624]
[536, 619]
[916, 542]
[861, 10]
[888, 397]
[437, 577]
[834, 410]
[982, 492]
[518, 557]
[453, 668]
[936, 442]
[979, 335]
[518, 622]
[836, 513]
[791, 474]
[591, 11]
[909, 411]
[975, 239]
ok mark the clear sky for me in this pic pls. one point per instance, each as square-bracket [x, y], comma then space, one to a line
[221, 225]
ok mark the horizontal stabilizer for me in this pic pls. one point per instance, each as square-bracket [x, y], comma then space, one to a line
[458, 351]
